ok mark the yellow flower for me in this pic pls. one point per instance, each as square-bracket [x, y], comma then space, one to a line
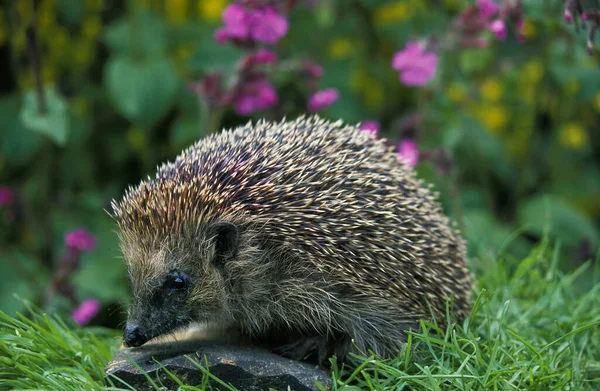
[491, 90]
[340, 48]
[457, 92]
[393, 13]
[573, 135]
[176, 10]
[529, 29]
[533, 72]
[211, 10]
[494, 118]
[597, 102]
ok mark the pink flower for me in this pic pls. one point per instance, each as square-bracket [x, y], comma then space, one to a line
[262, 25]
[7, 196]
[408, 152]
[568, 16]
[237, 23]
[498, 27]
[221, 35]
[86, 311]
[487, 8]
[415, 65]
[371, 127]
[254, 96]
[313, 70]
[80, 240]
[322, 99]
[263, 56]
[268, 26]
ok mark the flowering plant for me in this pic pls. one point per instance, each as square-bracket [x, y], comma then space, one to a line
[494, 101]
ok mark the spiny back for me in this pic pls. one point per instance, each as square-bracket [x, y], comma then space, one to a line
[328, 193]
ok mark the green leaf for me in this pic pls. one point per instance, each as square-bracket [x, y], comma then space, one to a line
[563, 220]
[185, 131]
[486, 235]
[71, 11]
[17, 143]
[478, 143]
[348, 107]
[142, 90]
[141, 34]
[54, 123]
[325, 13]
[212, 57]
[22, 275]
[540, 10]
[588, 78]
[453, 136]
[476, 60]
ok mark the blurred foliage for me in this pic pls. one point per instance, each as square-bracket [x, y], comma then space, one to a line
[519, 121]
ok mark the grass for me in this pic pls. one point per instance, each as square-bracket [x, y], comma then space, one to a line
[531, 330]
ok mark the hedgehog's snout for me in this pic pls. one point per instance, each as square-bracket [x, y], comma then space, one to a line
[134, 335]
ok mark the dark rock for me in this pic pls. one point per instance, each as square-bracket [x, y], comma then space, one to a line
[245, 368]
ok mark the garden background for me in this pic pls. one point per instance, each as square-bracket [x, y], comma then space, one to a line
[501, 113]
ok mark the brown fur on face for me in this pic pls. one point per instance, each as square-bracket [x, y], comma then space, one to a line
[334, 239]
[150, 261]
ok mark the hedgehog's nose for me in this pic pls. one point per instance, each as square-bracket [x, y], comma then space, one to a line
[134, 335]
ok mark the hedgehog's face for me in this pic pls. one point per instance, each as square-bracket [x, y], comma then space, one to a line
[174, 285]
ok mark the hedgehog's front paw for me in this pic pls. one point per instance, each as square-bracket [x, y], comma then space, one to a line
[318, 348]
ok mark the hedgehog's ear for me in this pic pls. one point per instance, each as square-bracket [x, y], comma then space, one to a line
[225, 239]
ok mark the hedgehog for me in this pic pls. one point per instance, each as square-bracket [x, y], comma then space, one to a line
[308, 236]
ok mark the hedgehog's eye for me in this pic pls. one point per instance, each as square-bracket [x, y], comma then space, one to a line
[176, 281]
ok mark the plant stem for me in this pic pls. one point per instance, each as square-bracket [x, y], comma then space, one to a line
[210, 118]
[46, 199]
[35, 60]
[47, 172]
